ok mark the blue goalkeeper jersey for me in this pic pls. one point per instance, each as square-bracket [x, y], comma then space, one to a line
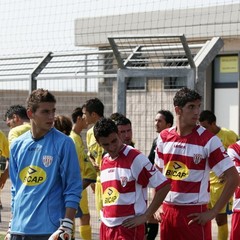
[45, 179]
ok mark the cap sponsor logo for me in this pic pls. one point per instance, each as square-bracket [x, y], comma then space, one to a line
[176, 170]
[110, 196]
[32, 176]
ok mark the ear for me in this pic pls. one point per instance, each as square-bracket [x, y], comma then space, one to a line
[29, 113]
[78, 118]
[93, 115]
[178, 110]
[15, 116]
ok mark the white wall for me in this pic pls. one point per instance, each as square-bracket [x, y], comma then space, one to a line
[226, 108]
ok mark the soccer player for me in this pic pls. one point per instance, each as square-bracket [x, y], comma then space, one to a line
[188, 152]
[124, 126]
[88, 173]
[93, 110]
[63, 124]
[44, 195]
[208, 120]
[234, 154]
[4, 155]
[163, 120]
[125, 175]
[17, 120]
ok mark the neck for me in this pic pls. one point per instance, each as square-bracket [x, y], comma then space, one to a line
[77, 129]
[216, 130]
[38, 133]
[184, 130]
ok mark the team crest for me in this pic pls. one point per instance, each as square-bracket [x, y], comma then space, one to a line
[197, 158]
[123, 181]
[47, 160]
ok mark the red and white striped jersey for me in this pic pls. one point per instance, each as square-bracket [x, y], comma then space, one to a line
[187, 161]
[234, 154]
[124, 183]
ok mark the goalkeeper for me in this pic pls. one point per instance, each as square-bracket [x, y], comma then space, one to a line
[45, 175]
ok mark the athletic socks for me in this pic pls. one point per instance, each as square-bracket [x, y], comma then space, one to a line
[223, 232]
[85, 232]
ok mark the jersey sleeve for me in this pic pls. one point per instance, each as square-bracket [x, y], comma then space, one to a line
[159, 153]
[234, 153]
[4, 147]
[146, 173]
[70, 171]
[218, 159]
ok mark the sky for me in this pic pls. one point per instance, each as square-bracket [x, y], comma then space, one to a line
[28, 26]
[40, 26]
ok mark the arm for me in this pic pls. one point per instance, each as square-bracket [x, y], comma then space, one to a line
[86, 183]
[65, 230]
[156, 202]
[70, 213]
[232, 181]
[4, 175]
[72, 188]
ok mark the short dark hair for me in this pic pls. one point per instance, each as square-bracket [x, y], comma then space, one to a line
[63, 124]
[116, 115]
[94, 105]
[38, 96]
[207, 115]
[168, 116]
[19, 110]
[104, 127]
[120, 119]
[77, 112]
[185, 95]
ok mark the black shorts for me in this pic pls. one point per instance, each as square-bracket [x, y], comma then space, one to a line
[29, 237]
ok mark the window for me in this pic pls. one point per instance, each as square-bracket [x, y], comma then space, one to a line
[175, 82]
[136, 83]
[226, 71]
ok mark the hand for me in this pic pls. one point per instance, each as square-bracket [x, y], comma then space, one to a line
[64, 232]
[158, 214]
[93, 187]
[222, 178]
[202, 218]
[135, 221]
[3, 178]
[152, 220]
[8, 235]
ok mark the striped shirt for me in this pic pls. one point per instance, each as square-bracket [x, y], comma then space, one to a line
[124, 182]
[234, 154]
[187, 161]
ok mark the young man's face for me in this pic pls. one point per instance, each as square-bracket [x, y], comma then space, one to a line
[125, 133]
[189, 114]
[160, 123]
[111, 144]
[13, 122]
[88, 116]
[208, 126]
[81, 121]
[43, 119]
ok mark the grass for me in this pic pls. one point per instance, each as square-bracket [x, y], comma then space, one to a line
[2, 237]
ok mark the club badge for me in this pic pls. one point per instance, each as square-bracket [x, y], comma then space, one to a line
[123, 181]
[197, 158]
[47, 160]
